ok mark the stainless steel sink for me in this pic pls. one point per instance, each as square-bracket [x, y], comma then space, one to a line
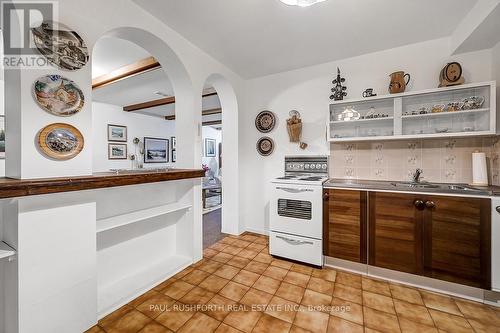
[414, 185]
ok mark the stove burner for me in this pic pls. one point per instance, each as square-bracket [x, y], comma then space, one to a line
[287, 177]
[312, 179]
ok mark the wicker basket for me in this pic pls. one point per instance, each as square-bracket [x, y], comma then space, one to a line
[294, 127]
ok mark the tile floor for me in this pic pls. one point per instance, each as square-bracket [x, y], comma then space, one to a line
[239, 287]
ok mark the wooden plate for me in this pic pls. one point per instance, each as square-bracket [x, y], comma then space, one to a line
[58, 95]
[265, 146]
[60, 141]
[265, 121]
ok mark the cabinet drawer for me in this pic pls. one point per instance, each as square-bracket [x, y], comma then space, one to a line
[308, 250]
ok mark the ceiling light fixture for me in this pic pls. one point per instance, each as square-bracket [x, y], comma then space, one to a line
[301, 3]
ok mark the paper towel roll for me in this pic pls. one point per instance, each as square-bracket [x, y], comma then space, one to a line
[479, 169]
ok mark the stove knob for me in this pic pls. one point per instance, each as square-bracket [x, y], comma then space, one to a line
[323, 167]
[306, 166]
[313, 166]
[318, 166]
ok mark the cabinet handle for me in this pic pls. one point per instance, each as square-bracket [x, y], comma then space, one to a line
[326, 195]
[430, 204]
[419, 204]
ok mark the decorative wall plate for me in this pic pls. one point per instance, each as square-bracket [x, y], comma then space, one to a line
[60, 141]
[265, 146]
[265, 121]
[58, 95]
[60, 45]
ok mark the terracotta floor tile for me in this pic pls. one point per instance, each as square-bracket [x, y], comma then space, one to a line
[219, 307]
[321, 286]
[255, 247]
[257, 299]
[249, 238]
[264, 258]
[164, 284]
[227, 272]
[338, 325]
[222, 257]
[281, 263]
[195, 277]
[262, 241]
[197, 295]
[95, 329]
[247, 254]
[155, 305]
[325, 274]
[132, 322]
[208, 253]
[298, 279]
[282, 308]
[477, 311]
[378, 302]
[267, 284]
[484, 327]
[316, 299]
[246, 277]
[218, 246]
[440, 302]
[175, 318]
[241, 243]
[376, 286]
[381, 321]
[200, 323]
[210, 266]
[227, 240]
[178, 289]
[213, 283]
[265, 250]
[406, 294]
[155, 328]
[296, 329]
[347, 310]
[450, 323]
[243, 320]
[223, 328]
[348, 293]
[408, 326]
[290, 292]
[275, 272]
[238, 262]
[299, 268]
[256, 267]
[234, 291]
[183, 273]
[267, 324]
[144, 297]
[113, 316]
[413, 312]
[313, 321]
[232, 250]
[349, 279]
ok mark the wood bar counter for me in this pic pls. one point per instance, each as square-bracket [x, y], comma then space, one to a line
[10, 188]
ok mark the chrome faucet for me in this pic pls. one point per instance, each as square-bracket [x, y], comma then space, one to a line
[416, 175]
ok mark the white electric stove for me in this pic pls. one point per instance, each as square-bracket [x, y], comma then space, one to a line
[296, 210]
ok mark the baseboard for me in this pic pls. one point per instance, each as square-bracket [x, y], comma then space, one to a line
[258, 231]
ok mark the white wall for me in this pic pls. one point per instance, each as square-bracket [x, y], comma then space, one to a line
[307, 90]
[138, 125]
[211, 133]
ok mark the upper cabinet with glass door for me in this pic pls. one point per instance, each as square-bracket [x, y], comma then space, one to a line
[466, 110]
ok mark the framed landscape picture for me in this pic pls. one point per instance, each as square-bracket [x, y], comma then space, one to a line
[117, 133]
[117, 151]
[209, 147]
[155, 150]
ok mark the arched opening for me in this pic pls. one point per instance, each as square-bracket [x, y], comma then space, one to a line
[224, 156]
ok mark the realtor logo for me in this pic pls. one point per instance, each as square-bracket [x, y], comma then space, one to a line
[18, 19]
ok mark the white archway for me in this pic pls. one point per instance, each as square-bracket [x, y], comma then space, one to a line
[230, 173]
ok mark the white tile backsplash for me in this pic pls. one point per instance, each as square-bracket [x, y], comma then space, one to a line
[442, 160]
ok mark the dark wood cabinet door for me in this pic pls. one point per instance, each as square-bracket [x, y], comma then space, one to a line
[395, 231]
[344, 213]
[457, 240]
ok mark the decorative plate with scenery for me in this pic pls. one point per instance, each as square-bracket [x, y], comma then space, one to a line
[58, 95]
[265, 146]
[265, 121]
[60, 141]
[60, 45]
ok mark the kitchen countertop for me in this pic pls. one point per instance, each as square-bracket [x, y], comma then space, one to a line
[10, 188]
[462, 189]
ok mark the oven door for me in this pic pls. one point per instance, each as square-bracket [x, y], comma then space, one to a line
[296, 209]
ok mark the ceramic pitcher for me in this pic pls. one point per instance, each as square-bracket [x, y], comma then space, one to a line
[398, 82]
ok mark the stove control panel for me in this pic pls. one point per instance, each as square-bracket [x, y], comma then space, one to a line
[306, 164]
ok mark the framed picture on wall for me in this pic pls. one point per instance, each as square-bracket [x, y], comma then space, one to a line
[155, 150]
[209, 147]
[174, 155]
[117, 151]
[117, 133]
[173, 142]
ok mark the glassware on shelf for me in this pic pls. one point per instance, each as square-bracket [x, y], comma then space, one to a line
[349, 114]
[473, 102]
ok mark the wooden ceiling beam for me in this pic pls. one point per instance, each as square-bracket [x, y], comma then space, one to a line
[158, 102]
[139, 67]
[203, 113]
[213, 122]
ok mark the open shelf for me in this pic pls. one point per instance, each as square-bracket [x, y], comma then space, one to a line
[360, 120]
[6, 251]
[138, 215]
[444, 114]
[120, 292]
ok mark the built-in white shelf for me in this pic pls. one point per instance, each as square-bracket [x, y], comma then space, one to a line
[360, 120]
[444, 114]
[6, 251]
[114, 295]
[138, 215]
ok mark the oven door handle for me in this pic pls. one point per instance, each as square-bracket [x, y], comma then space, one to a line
[294, 190]
[294, 241]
